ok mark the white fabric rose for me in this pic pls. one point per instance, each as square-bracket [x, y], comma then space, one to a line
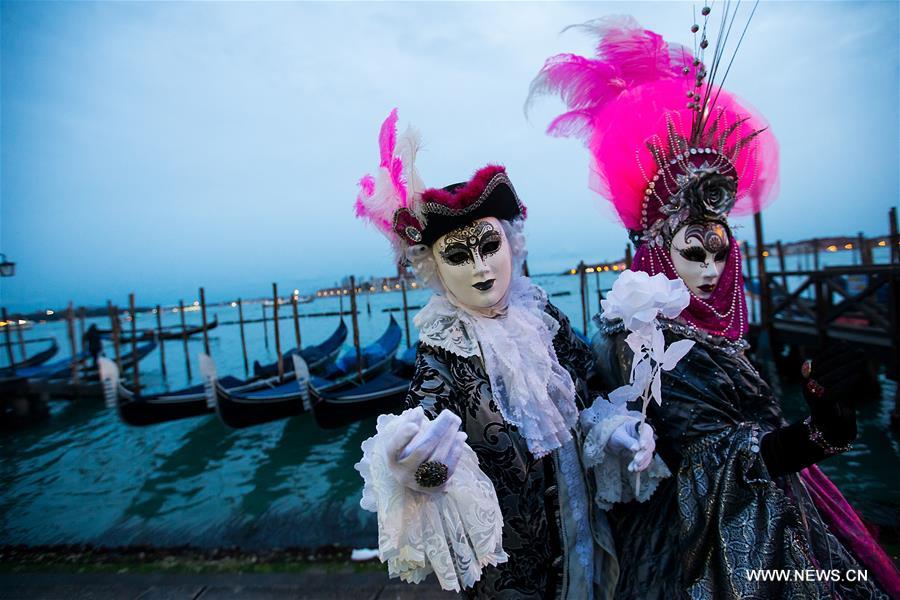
[637, 298]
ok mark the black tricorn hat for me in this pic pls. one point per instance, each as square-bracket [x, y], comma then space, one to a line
[489, 193]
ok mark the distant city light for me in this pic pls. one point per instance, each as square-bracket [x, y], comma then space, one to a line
[196, 303]
[832, 248]
[882, 243]
[49, 312]
[848, 246]
[765, 252]
[572, 271]
[296, 292]
[589, 270]
[233, 304]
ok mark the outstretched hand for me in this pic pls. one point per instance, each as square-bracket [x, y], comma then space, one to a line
[626, 438]
[419, 441]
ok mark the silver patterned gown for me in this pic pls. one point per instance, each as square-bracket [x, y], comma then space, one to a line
[528, 489]
[721, 513]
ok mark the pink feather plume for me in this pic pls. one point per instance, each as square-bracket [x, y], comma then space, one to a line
[619, 102]
[395, 182]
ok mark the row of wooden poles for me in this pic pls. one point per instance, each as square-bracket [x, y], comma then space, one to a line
[761, 254]
[116, 331]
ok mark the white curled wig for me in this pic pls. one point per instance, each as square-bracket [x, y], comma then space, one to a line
[424, 267]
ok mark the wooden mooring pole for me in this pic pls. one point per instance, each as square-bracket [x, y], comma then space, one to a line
[355, 327]
[297, 321]
[70, 328]
[21, 337]
[895, 237]
[134, 355]
[114, 329]
[582, 277]
[265, 327]
[184, 341]
[240, 307]
[781, 265]
[277, 334]
[764, 307]
[749, 262]
[203, 317]
[159, 337]
[81, 313]
[865, 253]
[599, 291]
[628, 256]
[6, 328]
[405, 310]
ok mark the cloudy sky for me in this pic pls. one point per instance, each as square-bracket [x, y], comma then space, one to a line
[155, 147]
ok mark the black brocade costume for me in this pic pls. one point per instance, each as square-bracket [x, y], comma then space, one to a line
[721, 513]
[525, 486]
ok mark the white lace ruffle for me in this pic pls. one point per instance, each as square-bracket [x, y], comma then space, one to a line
[454, 533]
[614, 482]
[531, 389]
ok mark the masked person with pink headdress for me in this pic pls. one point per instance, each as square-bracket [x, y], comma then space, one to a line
[677, 155]
[480, 481]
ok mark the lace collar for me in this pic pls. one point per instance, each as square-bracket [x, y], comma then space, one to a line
[531, 389]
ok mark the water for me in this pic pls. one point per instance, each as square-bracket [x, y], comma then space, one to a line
[84, 477]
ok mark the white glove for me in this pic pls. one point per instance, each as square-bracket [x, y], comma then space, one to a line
[421, 441]
[626, 439]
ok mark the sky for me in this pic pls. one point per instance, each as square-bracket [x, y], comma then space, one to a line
[158, 146]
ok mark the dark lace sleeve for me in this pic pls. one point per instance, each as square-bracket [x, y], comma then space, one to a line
[573, 353]
[431, 386]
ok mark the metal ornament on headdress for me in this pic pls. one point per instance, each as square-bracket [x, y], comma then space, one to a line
[658, 123]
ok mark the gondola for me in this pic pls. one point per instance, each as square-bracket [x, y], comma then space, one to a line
[166, 334]
[245, 409]
[58, 384]
[140, 410]
[384, 394]
[34, 360]
[317, 357]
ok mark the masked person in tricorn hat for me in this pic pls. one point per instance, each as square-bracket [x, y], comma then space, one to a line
[481, 480]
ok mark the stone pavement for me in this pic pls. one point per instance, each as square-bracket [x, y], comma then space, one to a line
[226, 586]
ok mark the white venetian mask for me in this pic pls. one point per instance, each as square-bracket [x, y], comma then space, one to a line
[475, 263]
[699, 252]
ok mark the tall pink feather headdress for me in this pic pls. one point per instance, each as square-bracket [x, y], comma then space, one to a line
[395, 185]
[653, 117]
[668, 145]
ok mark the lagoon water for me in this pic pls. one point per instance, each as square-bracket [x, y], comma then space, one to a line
[85, 477]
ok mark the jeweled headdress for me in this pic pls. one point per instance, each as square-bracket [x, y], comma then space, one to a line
[668, 144]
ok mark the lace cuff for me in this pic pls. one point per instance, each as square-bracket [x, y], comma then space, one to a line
[613, 481]
[455, 533]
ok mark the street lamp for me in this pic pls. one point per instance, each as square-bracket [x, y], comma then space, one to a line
[7, 268]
